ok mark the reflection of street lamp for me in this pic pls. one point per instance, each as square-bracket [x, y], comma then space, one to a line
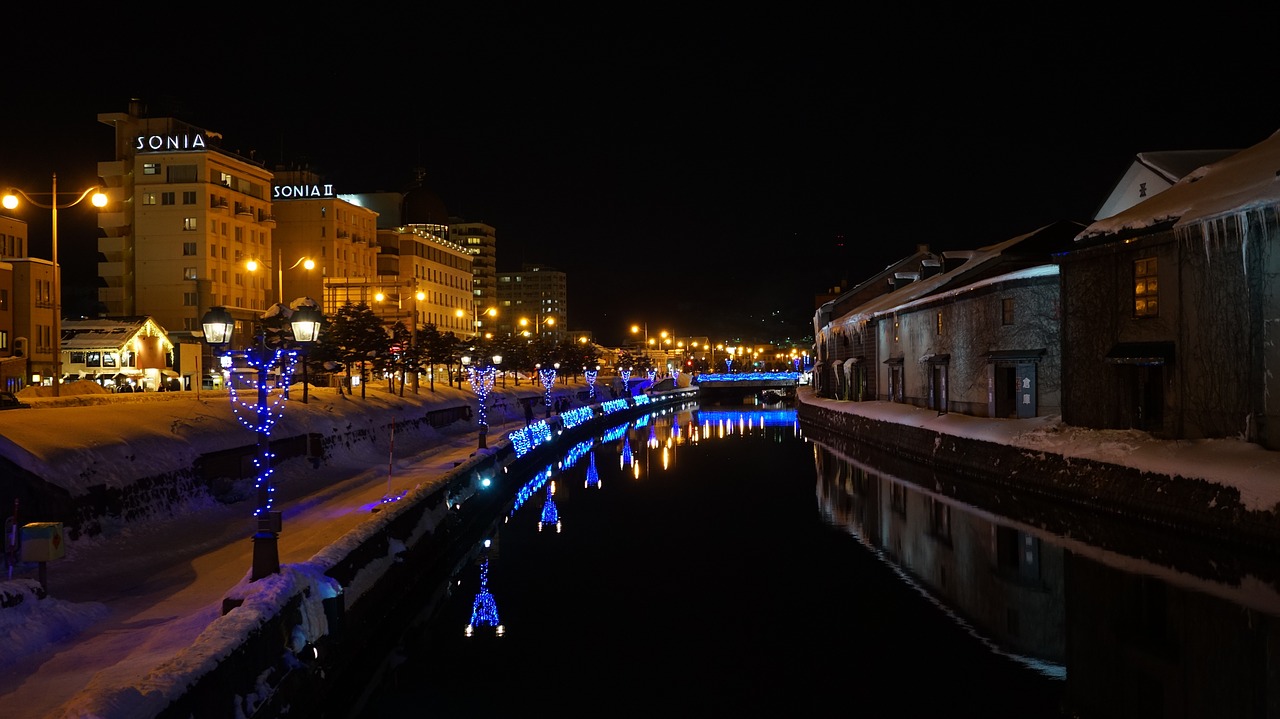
[306, 262]
[218, 325]
[10, 202]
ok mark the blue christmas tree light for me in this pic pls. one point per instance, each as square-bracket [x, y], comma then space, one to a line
[593, 477]
[626, 452]
[484, 610]
[550, 514]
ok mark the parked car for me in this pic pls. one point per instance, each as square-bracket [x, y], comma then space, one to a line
[9, 401]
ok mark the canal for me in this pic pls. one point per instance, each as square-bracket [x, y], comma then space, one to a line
[720, 561]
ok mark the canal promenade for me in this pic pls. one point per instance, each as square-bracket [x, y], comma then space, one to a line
[130, 616]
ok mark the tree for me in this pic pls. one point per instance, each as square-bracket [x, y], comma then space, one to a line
[353, 338]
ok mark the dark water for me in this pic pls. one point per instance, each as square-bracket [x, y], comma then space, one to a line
[696, 572]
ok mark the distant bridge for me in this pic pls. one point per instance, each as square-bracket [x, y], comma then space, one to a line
[736, 388]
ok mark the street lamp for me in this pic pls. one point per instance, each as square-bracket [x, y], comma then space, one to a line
[481, 380]
[218, 325]
[10, 202]
[476, 314]
[306, 262]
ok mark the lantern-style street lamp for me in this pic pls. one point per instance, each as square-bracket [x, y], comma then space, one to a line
[261, 415]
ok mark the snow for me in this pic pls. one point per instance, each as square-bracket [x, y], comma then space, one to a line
[1243, 181]
[134, 615]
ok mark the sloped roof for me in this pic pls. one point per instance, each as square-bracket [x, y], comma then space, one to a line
[1246, 180]
[107, 332]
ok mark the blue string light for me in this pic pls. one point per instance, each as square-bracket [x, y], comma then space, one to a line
[548, 377]
[576, 416]
[529, 489]
[614, 405]
[591, 382]
[482, 383]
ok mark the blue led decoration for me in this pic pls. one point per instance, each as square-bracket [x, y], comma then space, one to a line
[548, 377]
[262, 414]
[529, 489]
[614, 433]
[614, 405]
[575, 453]
[524, 440]
[626, 377]
[593, 477]
[482, 384]
[653, 374]
[640, 399]
[626, 452]
[790, 377]
[591, 382]
[261, 418]
[484, 610]
[550, 515]
[576, 416]
[728, 363]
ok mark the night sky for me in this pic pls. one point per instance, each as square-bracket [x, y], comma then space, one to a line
[708, 175]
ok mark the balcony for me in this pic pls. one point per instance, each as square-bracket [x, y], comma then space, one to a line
[242, 209]
[266, 219]
[220, 204]
[112, 220]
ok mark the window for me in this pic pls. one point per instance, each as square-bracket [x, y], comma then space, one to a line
[213, 250]
[224, 179]
[188, 299]
[1006, 311]
[189, 197]
[1145, 288]
[166, 198]
[188, 273]
[189, 224]
[148, 198]
[151, 168]
[189, 249]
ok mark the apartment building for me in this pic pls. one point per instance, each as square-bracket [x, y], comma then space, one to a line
[337, 236]
[13, 347]
[184, 216]
[533, 301]
[424, 277]
[481, 242]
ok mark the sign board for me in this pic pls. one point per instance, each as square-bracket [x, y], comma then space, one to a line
[42, 542]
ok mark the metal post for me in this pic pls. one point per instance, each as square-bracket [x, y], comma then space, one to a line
[266, 553]
[57, 295]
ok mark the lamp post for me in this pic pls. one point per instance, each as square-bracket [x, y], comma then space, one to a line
[476, 314]
[10, 202]
[218, 325]
[306, 262]
[481, 380]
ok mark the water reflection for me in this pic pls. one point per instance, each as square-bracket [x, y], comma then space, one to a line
[1136, 622]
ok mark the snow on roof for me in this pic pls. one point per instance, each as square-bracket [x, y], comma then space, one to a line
[903, 296]
[107, 332]
[1246, 180]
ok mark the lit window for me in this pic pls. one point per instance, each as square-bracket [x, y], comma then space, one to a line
[151, 168]
[148, 198]
[188, 273]
[189, 224]
[1146, 288]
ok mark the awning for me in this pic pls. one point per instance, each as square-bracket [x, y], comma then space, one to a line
[936, 358]
[1141, 353]
[168, 373]
[1013, 355]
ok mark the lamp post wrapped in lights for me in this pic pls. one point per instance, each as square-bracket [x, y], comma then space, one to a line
[481, 380]
[218, 325]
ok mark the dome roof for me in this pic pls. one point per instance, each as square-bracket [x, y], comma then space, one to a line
[422, 206]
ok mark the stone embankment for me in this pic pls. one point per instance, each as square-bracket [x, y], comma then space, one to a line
[1191, 507]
